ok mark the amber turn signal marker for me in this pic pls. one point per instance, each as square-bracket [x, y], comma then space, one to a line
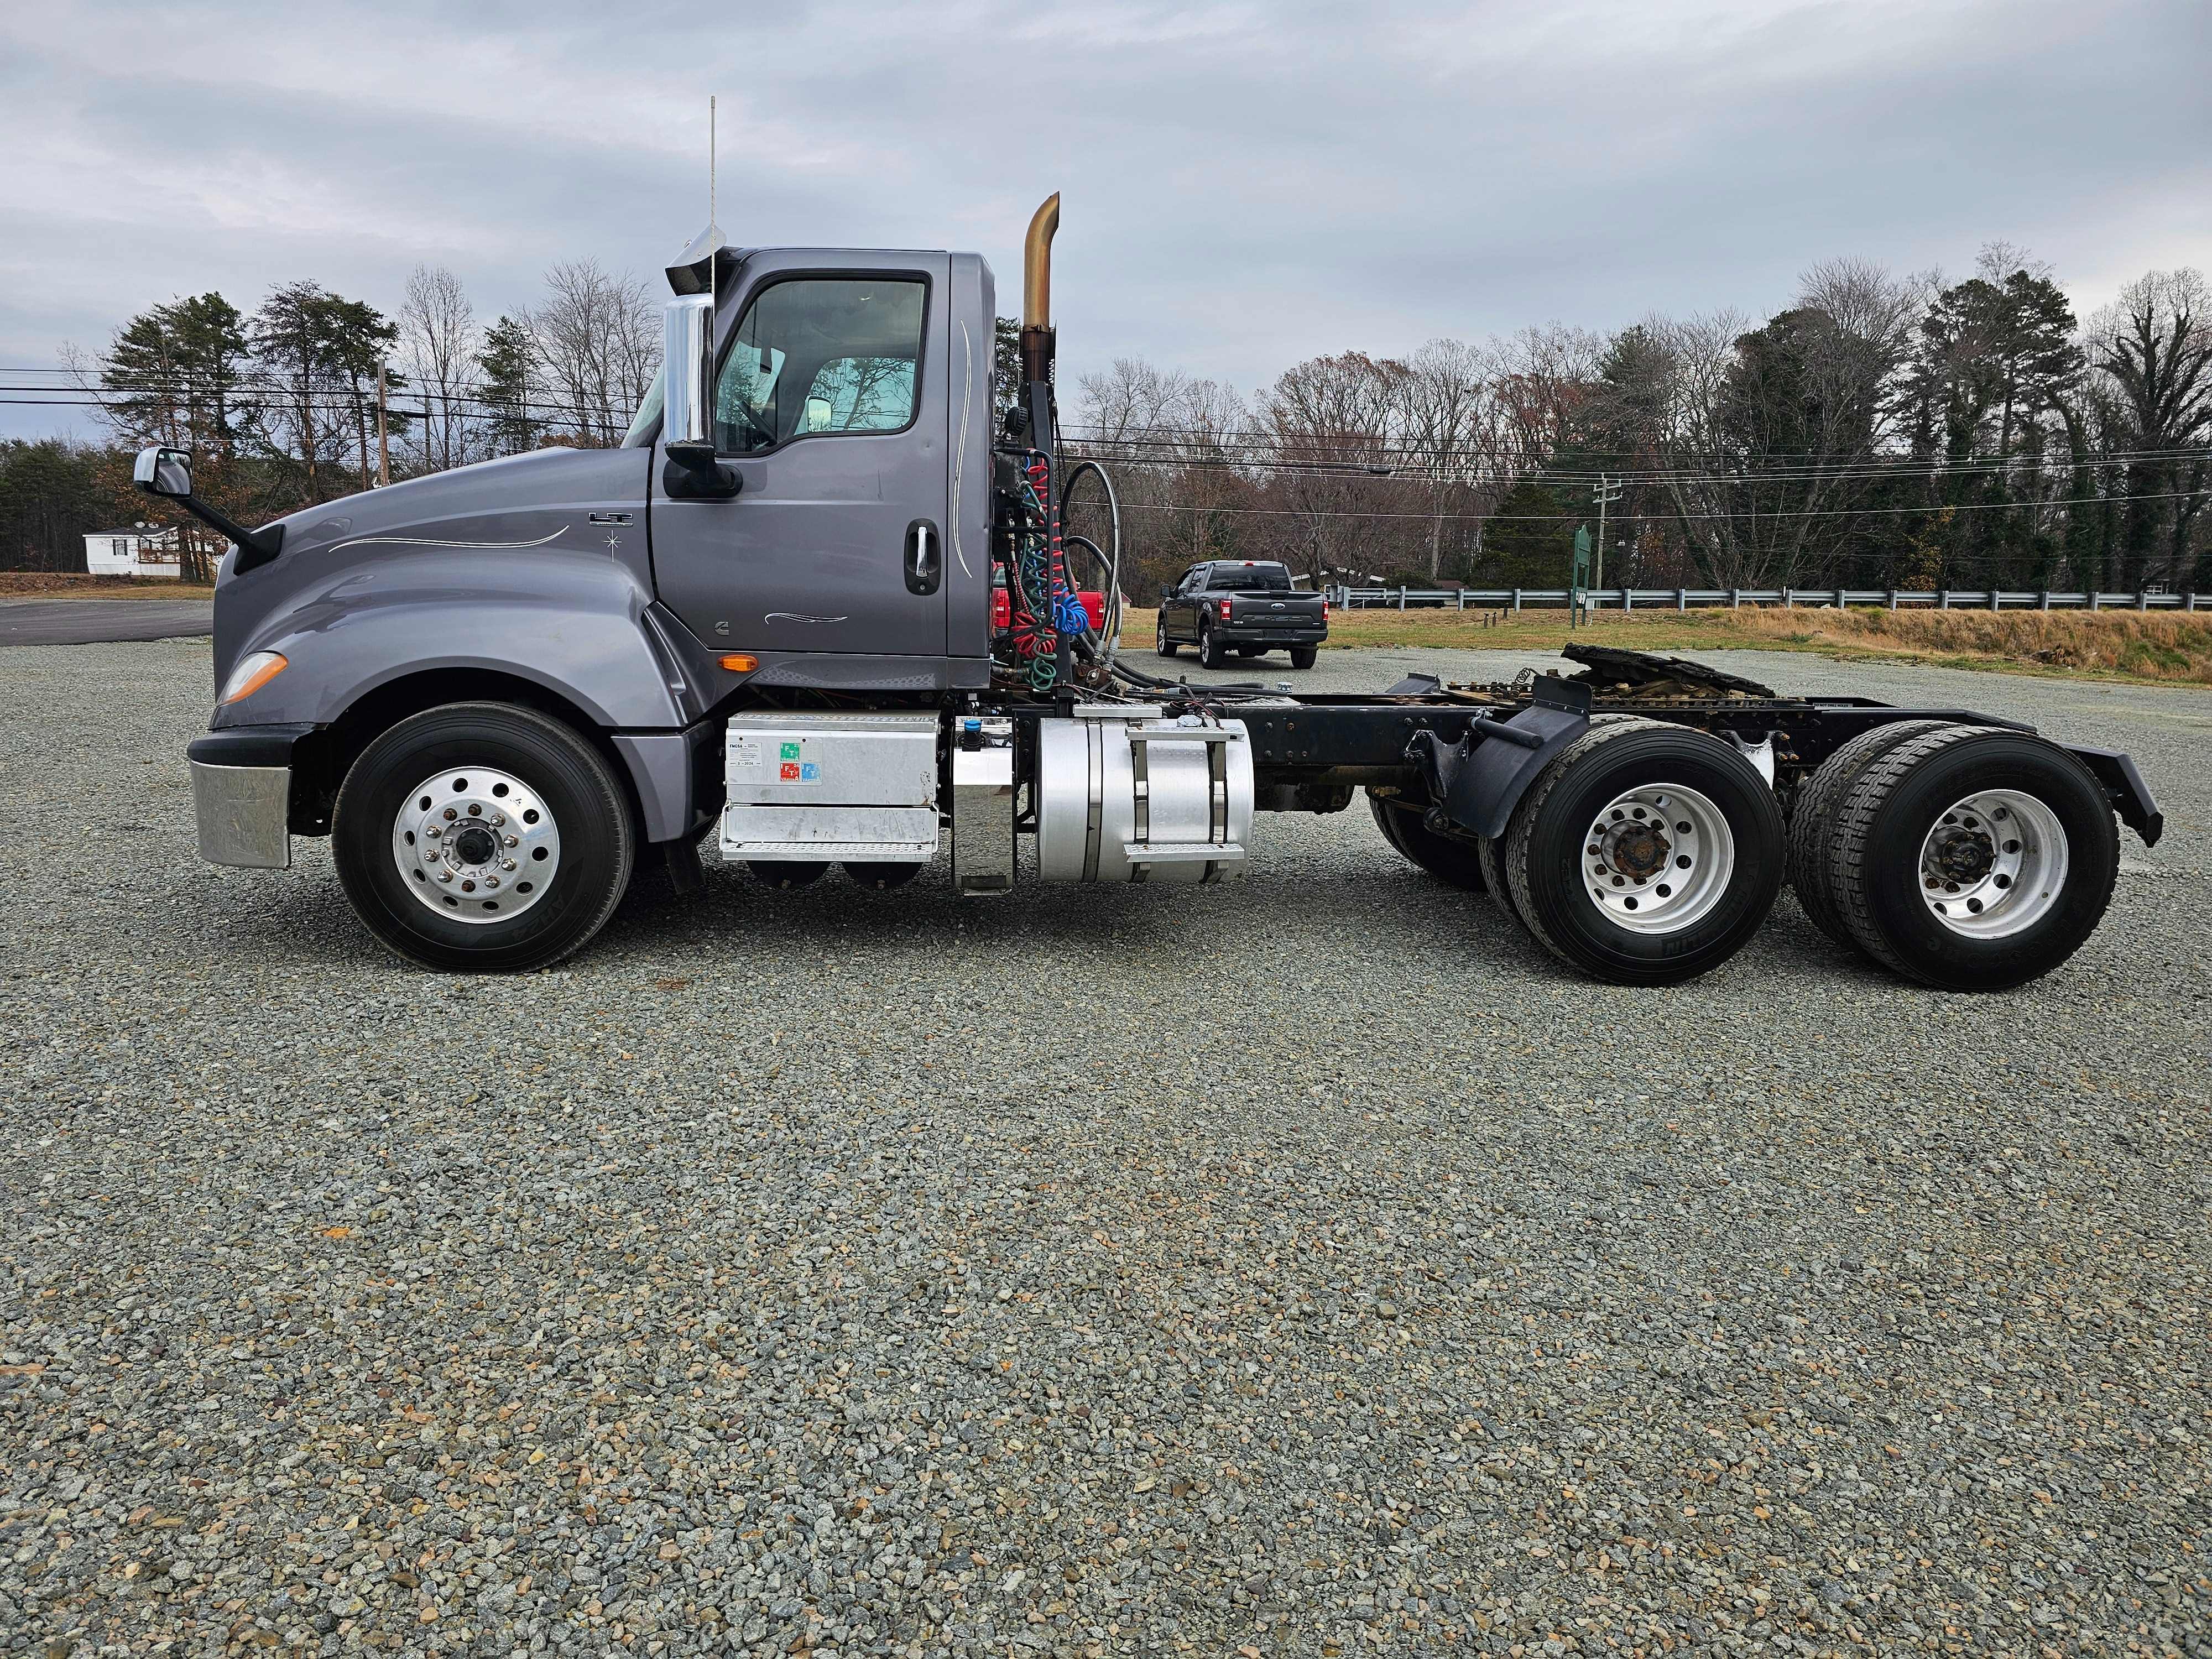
[740, 662]
[254, 672]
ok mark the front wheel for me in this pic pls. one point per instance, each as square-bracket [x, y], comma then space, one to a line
[1161, 642]
[482, 836]
[1644, 854]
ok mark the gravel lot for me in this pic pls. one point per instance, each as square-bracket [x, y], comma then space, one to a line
[1306, 1268]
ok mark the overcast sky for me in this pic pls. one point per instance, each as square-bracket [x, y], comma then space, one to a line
[1244, 184]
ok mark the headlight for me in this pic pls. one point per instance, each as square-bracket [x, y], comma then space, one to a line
[251, 674]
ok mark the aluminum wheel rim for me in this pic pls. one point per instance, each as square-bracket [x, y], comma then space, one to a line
[1657, 859]
[476, 844]
[1161, 644]
[1993, 864]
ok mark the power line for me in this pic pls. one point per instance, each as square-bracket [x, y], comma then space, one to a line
[1569, 518]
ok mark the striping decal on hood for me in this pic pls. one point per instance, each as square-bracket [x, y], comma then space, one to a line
[428, 541]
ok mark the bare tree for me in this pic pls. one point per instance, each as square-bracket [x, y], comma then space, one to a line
[599, 346]
[438, 342]
[2153, 346]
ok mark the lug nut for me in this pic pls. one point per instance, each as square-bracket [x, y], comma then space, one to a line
[512, 841]
[449, 812]
[491, 881]
[507, 864]
[433, 833]
[498, 819]
[445, 875]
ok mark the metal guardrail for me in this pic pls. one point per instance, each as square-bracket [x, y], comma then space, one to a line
[1683, 599]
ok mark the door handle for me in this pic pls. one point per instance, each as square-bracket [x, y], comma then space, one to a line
[925, 557]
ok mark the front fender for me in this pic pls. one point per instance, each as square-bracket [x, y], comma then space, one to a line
[585, 629]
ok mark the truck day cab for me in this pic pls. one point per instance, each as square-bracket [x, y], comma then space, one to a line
[768, 617]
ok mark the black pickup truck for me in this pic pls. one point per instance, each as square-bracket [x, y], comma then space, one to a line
[1241, 607]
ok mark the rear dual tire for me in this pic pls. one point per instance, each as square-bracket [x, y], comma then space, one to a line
[1972, 858]
[1456, 862]
[1644, 854]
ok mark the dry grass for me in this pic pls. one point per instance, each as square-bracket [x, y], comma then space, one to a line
[2140, 647]
[81, 585]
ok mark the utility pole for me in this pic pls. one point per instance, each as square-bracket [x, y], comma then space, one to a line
[1607, 491]
[382, 436]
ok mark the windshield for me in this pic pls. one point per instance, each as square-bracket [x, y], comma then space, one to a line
[646, 422]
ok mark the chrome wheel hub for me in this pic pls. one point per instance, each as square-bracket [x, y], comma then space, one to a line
[1993, 864]
[1657, 859]
[476, 844]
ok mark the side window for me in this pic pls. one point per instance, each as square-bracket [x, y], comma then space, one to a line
[821, 355]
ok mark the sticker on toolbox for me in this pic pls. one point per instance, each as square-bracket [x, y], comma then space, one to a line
[791, 761]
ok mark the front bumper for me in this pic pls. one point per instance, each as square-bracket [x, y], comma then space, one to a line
[242, 794]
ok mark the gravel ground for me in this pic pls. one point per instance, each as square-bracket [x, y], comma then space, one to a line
[1309, 1268]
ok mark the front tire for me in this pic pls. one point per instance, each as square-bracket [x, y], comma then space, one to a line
[1974, 859]
[1161, 642]
[1644, 854]
[482, 836]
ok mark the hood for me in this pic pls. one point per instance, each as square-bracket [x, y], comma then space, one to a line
[533, 506]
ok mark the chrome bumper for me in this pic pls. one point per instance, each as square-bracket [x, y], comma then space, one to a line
[242, 813]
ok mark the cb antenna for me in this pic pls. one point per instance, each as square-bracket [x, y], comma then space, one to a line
[714, 276]
[694, 271]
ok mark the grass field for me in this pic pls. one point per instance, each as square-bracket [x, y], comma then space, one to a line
[80, 585]
[2151, 646]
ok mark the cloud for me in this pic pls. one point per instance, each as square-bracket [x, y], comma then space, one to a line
[1245, 184]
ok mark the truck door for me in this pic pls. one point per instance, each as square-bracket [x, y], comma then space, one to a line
[829, 407]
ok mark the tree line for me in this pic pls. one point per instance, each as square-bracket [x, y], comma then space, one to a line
[313, 395]
[1880, 430]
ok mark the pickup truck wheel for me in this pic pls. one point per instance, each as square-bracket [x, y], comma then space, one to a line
[482, 836]
[1645, 853]
[1813, 820]
[1210, 653]
[1974, 859]
[786, 872]
[1303, 656]
[1453, 861]
[1163, 644]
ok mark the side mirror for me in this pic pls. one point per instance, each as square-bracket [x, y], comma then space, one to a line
[167, 472]
[1167, 592]
[688, 407]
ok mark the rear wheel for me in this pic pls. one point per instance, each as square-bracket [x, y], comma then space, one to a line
[1812, 819]
[1973, 859]
[482, 836]
[786, 872]
[1162, 643]
[1303, 656]
[1210, 653]
[883, 877]
[1457, 862]
[1645, 853]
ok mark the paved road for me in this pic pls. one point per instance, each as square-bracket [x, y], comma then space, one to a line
[1301, 1267]
[98, 621]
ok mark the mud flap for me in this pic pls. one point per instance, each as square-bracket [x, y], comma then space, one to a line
[1474, 784]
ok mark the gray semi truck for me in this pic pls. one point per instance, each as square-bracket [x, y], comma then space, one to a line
[824, 605]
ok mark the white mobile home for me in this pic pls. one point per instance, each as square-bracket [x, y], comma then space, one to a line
[140, 549]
